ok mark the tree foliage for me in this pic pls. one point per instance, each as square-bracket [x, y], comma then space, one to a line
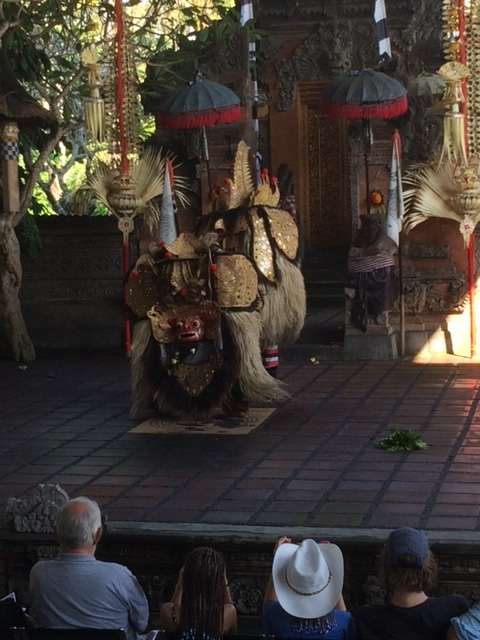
[175, 62]
[43, 40]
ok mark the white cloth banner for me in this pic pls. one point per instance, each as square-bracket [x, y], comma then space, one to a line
[168, 228]
[396, 206]
[246, 11]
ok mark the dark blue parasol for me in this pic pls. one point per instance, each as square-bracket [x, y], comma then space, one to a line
[201, 103]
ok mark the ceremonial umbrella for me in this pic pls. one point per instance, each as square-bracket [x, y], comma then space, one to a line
[200, 104]
[365, 95]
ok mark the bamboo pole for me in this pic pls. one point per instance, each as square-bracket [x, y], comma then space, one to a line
[9, 168]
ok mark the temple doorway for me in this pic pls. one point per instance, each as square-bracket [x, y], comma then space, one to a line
[324, 198]
[323, 189]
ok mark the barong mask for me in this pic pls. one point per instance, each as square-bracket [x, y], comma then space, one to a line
[190, 343]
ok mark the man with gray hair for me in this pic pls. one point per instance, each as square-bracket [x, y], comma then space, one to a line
[77, 591]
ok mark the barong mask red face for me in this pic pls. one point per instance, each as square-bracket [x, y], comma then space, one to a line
[189, 329]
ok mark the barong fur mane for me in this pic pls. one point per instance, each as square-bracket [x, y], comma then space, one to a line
[142, 389]
[256, 383]
[284, 306]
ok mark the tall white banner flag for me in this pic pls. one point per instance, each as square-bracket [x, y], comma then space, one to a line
[396, 206]
[168, 227]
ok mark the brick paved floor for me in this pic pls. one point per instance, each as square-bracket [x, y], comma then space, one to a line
[65, 419]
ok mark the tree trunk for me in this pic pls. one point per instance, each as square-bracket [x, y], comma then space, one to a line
[12, 324]
[11, 317]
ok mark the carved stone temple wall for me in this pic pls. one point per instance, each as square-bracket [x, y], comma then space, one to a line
[308, 43]
[72, 290]
[155, 558]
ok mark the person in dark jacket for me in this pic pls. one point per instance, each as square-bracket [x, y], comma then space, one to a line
[409, 571]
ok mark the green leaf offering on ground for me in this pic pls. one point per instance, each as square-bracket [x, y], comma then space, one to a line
[402, 441]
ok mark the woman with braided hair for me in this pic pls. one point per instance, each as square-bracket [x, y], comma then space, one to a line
[201, 607]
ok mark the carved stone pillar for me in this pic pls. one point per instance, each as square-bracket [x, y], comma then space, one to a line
[9, 165]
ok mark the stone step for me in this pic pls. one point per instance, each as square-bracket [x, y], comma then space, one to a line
[322, 301]
[335, 256]
[324, 325]
[326, 275]
[324, 285]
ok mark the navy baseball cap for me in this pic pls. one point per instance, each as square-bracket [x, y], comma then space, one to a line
[408, 542]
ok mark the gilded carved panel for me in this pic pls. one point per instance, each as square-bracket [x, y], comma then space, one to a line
[329, 211]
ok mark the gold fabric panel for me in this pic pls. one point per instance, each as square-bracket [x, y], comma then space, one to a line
[194, 379]
[265, 196]
[262, 248]
[241, 224]
[186, 246]
[142, 291]
[236, 282]
[162, 331]
[284, 232]
[191, 274]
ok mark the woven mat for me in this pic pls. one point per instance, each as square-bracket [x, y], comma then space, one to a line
[253, 420]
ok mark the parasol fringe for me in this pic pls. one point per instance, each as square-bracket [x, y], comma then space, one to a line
[199, 119]
[381, 111]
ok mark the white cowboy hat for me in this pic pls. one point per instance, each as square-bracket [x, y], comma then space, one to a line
[308, 578]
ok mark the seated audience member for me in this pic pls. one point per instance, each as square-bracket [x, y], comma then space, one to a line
[466, 626]
[304, 599]
[75, 590]
[409, 570]
[201, 606]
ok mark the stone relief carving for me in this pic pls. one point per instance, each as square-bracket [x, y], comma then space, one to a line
[420, 40]
[96, 262]
[421, 131]
[312, 9]
[415, 298]
[247, 594]
[327, 176]
[327, 51]
[157, 588]
[374, 592]
[477, 250]
[419, 251]
[155, 561]
[439, 295]
[344, 40]
[46, 552]
[76, 290]
[36, 512]
[227, 57]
